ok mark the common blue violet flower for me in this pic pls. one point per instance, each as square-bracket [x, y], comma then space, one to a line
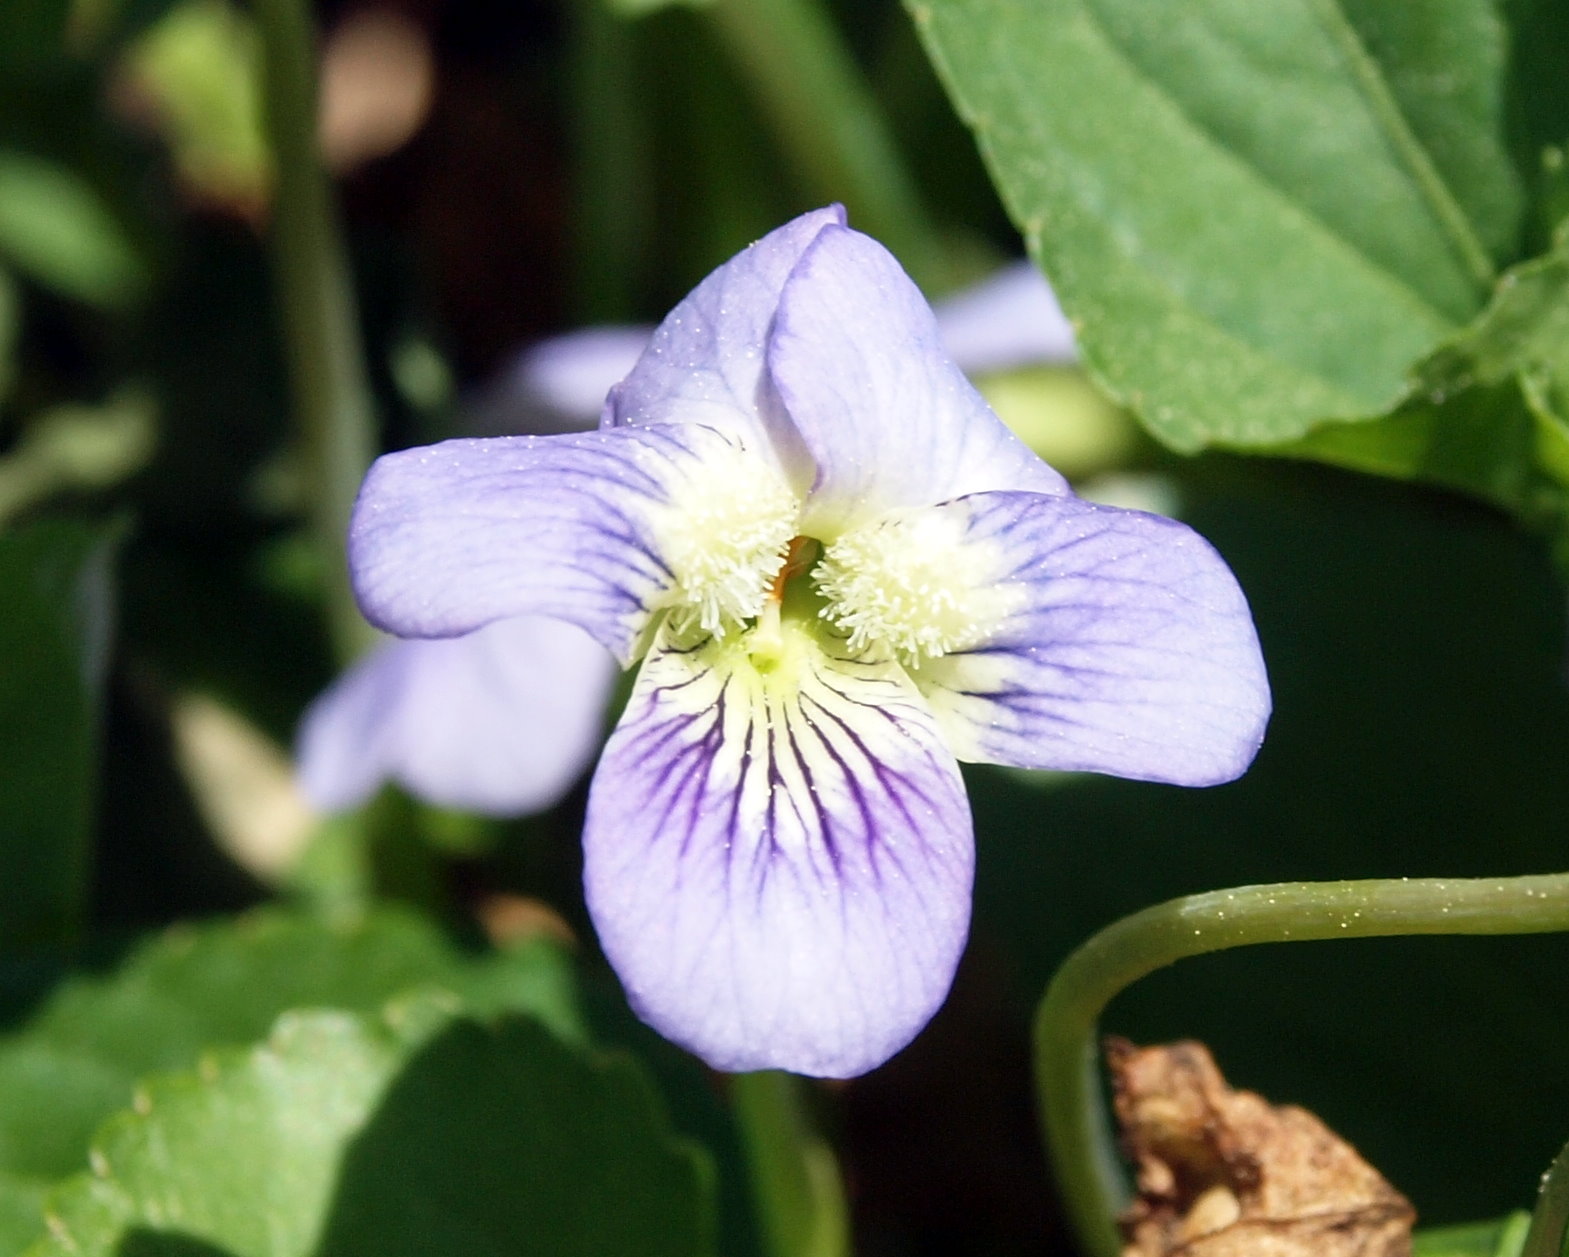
[842, 574]
[502, 721]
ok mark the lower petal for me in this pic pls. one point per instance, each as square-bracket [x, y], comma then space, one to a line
[1128, 647]
[779, 863]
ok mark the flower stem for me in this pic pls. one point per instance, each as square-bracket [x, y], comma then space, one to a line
[332, 404]
[1550, 1221]
[1078, 1135]
[829, 123]
[795, 1176]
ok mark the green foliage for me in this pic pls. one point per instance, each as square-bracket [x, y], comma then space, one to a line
[1261, 216]
[55, 228]
[21, 1210]
[79, 1056]
[1490, 410]
[201, 64]
[1475, 1239]
[1280, 226]
[75, 448]
[412, 1133]
[54, 632]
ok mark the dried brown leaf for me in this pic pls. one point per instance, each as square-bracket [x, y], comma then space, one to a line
[1223, 1173]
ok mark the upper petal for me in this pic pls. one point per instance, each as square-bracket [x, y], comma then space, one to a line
[887, 417]
[501, 721]
[1128, 647]
[1009, 320]
[705, 361]
[447, 538]
[779, 867]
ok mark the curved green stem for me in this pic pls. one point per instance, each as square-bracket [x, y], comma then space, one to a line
[795, 1176]
[829, 123]
[316, 302]
[1550, 1221]
[1078, 1137]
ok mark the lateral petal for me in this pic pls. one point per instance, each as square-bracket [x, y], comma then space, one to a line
[500, 722]
[1128, 647]
[889, 420]
[779, 865]
[590, 528]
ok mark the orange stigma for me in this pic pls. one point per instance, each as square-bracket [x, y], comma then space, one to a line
[797, 559]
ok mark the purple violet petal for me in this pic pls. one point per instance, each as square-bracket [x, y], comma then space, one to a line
[500, 722]
[1130, 649]
[705, 361]
[1008, 320]
[447, 538]
[779, 872]
[888, 418]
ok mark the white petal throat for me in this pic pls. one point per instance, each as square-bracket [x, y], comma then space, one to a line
[915, 584]
[725, 537]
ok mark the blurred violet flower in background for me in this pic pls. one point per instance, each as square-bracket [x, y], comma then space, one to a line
[842, 574]
[502, 722]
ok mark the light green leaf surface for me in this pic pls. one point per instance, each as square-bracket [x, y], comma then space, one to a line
[56, 229]
[191, 989]
[54, 630]
[1490, 414]
[1260, 216]
[1474, 1239]
[201, 65]
[21, 1210]
[411, 1133]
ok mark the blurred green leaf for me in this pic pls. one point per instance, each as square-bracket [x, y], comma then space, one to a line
[638, 8]
[54, 635]
[1474, 1239]
[21, 1207]
[1063, 417]
[77, 447]
[56, 229]
[1261, 215]
[200, 65]
[76, 1061]
[412, 1133]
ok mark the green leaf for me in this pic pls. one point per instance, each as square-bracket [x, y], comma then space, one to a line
[77, 448]
[56, 229]
[1260, 216]
[21, 1210]
[1473, 1239]
[192, 988]
[413, 1133]
[54, 630]
[201, 66]
[1491, 411]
